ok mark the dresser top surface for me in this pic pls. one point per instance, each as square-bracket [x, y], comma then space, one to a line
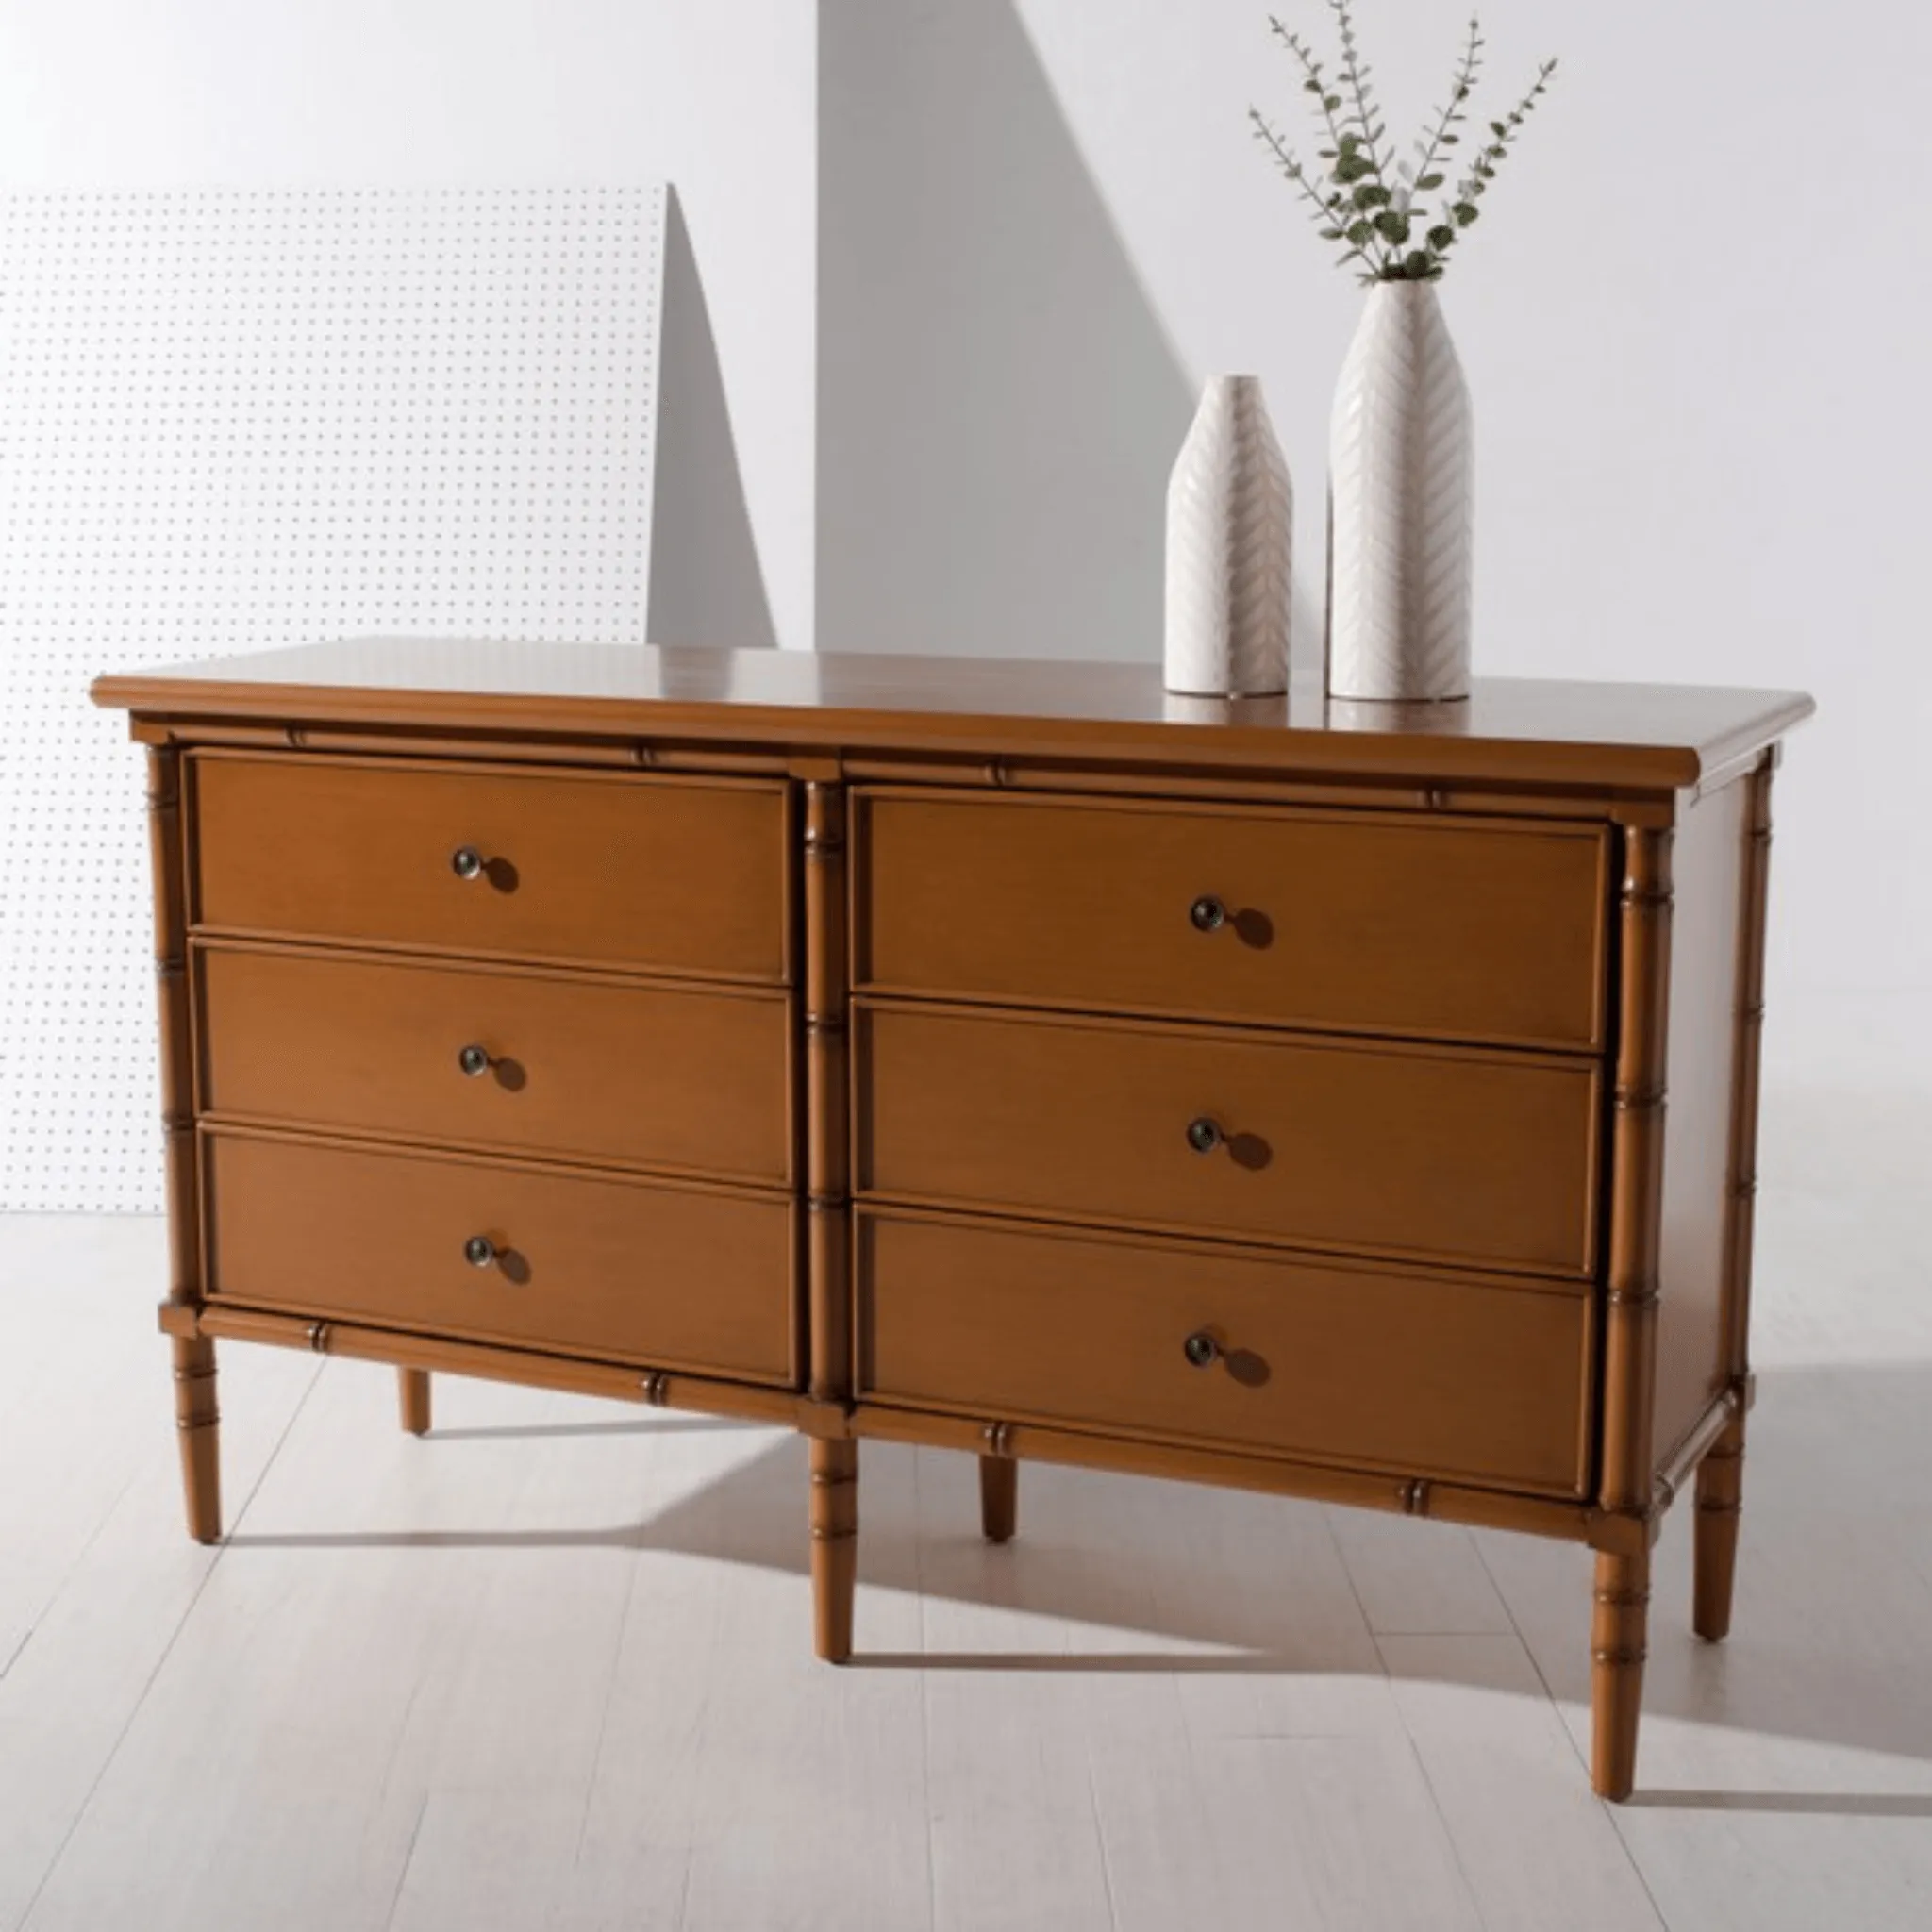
[1648, 736]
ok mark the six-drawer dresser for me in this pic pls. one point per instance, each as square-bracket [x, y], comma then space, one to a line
[1353, 1102]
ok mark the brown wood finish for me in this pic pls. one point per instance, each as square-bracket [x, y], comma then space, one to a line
[834, 1545]
[361, 852]
[678, 1079]
[828, 1197]
[412, 1400]
[1607, 739]
[594, 1265]
[1630, 1295]
[1474, 1378]
[197, 1417]
[1721, 1478]
[1445, 1253]
[1619, 1644]
[1444, 929]
[999, 1498]
[1487, 1160]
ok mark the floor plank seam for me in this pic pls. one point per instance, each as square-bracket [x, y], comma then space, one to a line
[160, 1664]
[1556, 1709]
[395, 1904]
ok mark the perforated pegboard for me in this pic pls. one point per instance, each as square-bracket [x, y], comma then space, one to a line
[230, 421]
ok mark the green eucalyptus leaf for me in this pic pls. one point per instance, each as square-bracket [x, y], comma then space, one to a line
[1393, 227]
[1331, 102]
[1465, 213]
[1372, 195]
[1418, 266]
[1428, 182]
[1361, 233]
[1333, 235]
[1441, 238]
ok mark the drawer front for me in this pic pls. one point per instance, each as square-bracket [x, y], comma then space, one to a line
[1480, 1379]
[1459, 929]
[1451, 1154]
[662, 1077]
[677, 875]
[669, 1278]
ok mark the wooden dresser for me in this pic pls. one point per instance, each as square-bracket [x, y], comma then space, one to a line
[1354, 1102]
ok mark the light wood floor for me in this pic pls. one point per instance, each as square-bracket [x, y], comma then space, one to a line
[550, 1668]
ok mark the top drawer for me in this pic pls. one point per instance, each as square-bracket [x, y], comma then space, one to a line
[667, 874]
[1454, 928]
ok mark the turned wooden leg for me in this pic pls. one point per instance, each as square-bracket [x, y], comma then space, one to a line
[1618, 1638]
[198, 1423]
[1719, 1496]
[834, 1545]
[999, 1497]
[412, 1400]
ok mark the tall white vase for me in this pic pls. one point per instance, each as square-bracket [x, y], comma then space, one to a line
[1402, 476]
[1230, 512]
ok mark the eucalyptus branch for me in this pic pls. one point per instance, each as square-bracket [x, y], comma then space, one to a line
[1360, 204]
[1428, 177]
[1352, 208]
[1292, 166]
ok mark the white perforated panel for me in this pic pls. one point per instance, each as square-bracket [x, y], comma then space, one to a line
[230, 421]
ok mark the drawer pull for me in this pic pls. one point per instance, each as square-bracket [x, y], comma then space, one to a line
[1207, 914]
[474, 1061]
[466, 862]
[1201, 1350]
[1203, 1135]
[479, 1251]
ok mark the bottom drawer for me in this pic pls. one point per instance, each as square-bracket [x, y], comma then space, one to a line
[669, 1276]
[1475, 1378]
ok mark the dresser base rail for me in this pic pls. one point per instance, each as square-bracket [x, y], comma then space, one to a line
[489, 1361]
[1580, 1522]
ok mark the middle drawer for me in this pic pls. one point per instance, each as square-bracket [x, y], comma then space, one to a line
[1439, 1153]
[678, 1078]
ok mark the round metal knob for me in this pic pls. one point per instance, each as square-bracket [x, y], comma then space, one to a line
[1201, 1350]
[474, 1061]
[1204, 1136]
[1207, 914]
[466, 862]
[479, 1251]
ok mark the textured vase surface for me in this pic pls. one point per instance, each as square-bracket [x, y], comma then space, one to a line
[1230, 515]
[1402, 480]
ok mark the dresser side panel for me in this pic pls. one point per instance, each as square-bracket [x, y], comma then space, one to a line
[1691, 1359]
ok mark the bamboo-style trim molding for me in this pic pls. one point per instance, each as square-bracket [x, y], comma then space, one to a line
[1576, 1521]
[531, 1367]
[197, 1413]
[1689, 1454]
[626, 753]
[827, 1085]
[1747, 1056]
[1636, 1171]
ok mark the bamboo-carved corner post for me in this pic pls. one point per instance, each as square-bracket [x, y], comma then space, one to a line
[829, 1192]
[1620, 1627]
[196, 1417]
[1721, 1474]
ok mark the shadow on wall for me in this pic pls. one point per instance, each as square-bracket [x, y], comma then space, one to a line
[999, 407]
[707, 585]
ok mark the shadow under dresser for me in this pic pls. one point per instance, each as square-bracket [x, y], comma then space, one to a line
[1353, 1102]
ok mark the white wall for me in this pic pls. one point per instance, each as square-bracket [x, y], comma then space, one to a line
[1693, 318]
[716, 98]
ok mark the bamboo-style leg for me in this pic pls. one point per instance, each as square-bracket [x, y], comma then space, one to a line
[1719, 1497]
[412, 1400]
[198, 1421]
[834, 1545]
[1619, 1635]
[999, 1497]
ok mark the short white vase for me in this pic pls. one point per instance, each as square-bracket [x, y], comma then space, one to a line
[1230, 513]
[1401, 505]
